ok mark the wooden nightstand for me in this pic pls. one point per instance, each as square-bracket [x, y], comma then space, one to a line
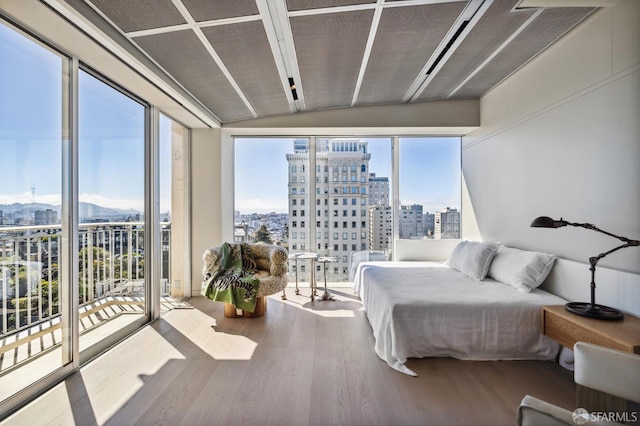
[567, 328]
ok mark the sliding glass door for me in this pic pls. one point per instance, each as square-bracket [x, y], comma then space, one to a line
[85, 254]
[34, 320]
[111, 181]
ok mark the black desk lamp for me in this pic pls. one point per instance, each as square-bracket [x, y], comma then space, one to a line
[591, 310]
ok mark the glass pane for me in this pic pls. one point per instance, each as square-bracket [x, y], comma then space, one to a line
[299, 207]
[111, 187]
[331, 217]
[173, 206]
[273, 207]
[429, 188]
[31, 105]
[352, 189]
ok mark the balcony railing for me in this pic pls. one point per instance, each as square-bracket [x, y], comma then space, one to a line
[111, 258]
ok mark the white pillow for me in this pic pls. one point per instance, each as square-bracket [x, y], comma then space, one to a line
[521, 269]
[472, 258]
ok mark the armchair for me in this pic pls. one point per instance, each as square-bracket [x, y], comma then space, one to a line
[610, 378]
[271, 271]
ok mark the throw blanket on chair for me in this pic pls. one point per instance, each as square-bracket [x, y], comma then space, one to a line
[231, 278]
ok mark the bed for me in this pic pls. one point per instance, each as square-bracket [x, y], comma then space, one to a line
[432, 309]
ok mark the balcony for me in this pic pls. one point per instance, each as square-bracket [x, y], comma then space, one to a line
[111, 281]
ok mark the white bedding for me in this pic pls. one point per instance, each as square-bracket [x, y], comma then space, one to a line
[424, 309]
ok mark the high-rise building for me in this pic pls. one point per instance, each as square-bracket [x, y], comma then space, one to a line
[380, 228]
[378, 190]
[410, 222]
[241, 233]
[429, 224]
[339, 220]
[45, 217]
[447, 224]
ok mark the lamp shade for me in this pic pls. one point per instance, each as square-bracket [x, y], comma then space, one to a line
[545, 222]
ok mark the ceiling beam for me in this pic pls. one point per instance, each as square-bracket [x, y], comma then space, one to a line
[278, 29]
[203, 24]
[456, 116]
[367, 50]
[212, 52]
[86, 18]
[472, 13]
[566, 3]
[496, 52]
[366, 6]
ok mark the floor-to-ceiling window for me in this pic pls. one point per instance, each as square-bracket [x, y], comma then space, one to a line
[429, 188]
[111, 169]
[353, 177]
[33, 120]
[272, 193]
[346, 211]
[81, 162]
[351, 213]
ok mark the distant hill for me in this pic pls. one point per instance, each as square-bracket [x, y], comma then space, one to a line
[19, 207]
[85, 210]
[88, 210]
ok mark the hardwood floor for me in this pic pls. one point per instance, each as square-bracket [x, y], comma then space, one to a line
[303, 363]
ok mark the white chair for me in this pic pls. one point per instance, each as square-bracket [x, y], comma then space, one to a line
[356, 257]
[597, 370]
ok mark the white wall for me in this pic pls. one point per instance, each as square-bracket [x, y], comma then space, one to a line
[206, 198]
[561, 138]
[180, 278]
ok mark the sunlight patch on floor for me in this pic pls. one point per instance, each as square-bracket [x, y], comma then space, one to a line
[343, 305]
[200, 329]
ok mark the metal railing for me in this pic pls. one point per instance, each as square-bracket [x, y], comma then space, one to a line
[111, 258]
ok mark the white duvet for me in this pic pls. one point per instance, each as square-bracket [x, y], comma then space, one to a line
[424, 309]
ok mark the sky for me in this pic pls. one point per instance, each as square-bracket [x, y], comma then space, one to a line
[111, 148]
[30, 128]
[111, 133]
[429, 171]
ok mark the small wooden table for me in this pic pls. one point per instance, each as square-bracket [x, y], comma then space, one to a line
[567, 328]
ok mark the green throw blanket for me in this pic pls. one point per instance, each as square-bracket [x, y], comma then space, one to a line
[230, 278]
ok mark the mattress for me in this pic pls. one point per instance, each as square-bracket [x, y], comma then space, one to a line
[424, 309]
